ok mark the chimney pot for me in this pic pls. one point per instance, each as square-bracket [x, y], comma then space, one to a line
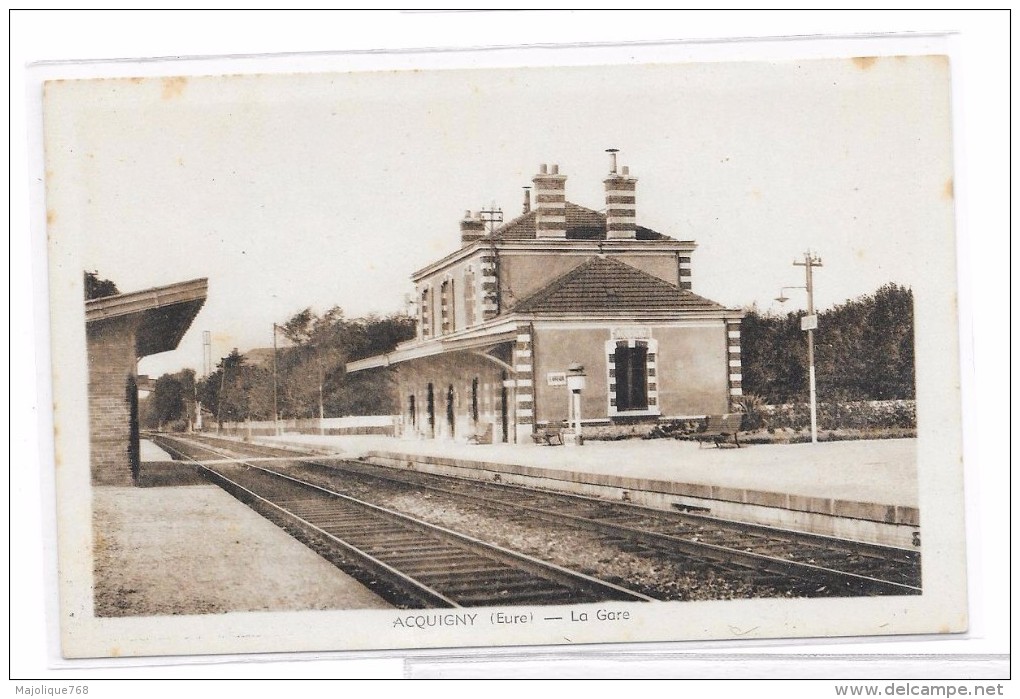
[555, 169]
[612, 159]
[626, 170]
[544, 169]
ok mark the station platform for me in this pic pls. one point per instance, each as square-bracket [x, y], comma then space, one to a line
[194, 550]
[864, 490]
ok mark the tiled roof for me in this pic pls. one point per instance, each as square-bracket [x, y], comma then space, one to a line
[603, 284]
[582, 224]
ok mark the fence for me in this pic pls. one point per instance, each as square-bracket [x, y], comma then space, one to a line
[356, 424]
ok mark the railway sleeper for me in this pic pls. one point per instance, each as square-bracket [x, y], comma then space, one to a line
[413, 561]
[420, 551]
[469, 586]
[488, 599]
[440, 576]
[449, 561]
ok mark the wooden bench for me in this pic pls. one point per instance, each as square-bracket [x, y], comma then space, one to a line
[482, 435]
[550, 436]
[720, 428]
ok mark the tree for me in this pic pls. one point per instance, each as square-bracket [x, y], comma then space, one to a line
[312, 373]
[864, 350]
[237, 390]
[96, 288]
[171, 400]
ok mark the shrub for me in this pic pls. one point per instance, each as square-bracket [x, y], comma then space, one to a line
[676, 429]
[614, 432]
[836, 415]
[751, 406]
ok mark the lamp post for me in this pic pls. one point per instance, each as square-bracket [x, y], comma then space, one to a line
[576, 381]
[809, 323]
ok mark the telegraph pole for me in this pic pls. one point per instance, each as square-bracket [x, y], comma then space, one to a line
[810, 323]
[322, 413]
[206, 361]
[276, 411]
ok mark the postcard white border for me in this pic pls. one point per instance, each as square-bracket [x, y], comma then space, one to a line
[43, 368]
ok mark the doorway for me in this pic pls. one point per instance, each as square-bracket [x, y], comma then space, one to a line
[504, 412]
[430, 407]
[449, 411]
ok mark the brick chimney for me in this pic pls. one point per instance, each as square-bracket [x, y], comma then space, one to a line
[621, 223]
[550, 203]
[472, 228]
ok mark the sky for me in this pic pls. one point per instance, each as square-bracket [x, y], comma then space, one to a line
[322, 189]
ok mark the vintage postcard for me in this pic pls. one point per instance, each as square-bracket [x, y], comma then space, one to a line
[396, 356]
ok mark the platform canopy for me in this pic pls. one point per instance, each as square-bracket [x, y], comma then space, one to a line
[481, 339]
[163, 313]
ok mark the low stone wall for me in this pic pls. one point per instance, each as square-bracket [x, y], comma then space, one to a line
[888, 525]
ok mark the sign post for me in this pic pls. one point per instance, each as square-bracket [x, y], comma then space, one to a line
[575, 383]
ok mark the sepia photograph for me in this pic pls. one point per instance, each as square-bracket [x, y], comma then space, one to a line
[371, 358]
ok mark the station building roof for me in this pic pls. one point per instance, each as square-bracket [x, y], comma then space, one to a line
[603, 284]
[164, 313]
[582, 224]
[599, 287]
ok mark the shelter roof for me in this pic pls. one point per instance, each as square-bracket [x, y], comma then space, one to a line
[164, 313]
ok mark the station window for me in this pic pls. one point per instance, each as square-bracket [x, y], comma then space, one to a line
[631, 377]
[469, 297]
[448, 324]
[426, 316]
[633, 385]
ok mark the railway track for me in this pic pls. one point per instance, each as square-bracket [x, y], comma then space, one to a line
[800, 562]
[411, 562]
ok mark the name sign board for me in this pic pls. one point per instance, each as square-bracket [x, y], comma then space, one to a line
[809, 322]
[556, 378]
[633, 332]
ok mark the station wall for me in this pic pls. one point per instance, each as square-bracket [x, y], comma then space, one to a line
[113, 407]
[467, 394]
[689, 376]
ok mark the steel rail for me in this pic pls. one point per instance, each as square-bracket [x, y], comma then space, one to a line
[572, 581]
[667, 543]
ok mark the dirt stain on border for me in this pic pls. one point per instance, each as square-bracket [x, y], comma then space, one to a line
[174, 87]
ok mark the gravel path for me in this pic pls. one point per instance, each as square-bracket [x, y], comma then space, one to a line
[197, 550]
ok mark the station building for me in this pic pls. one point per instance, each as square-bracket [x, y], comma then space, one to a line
[501, 320]
[120, 330]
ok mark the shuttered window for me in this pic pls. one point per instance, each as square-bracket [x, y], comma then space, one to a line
[631, 364]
